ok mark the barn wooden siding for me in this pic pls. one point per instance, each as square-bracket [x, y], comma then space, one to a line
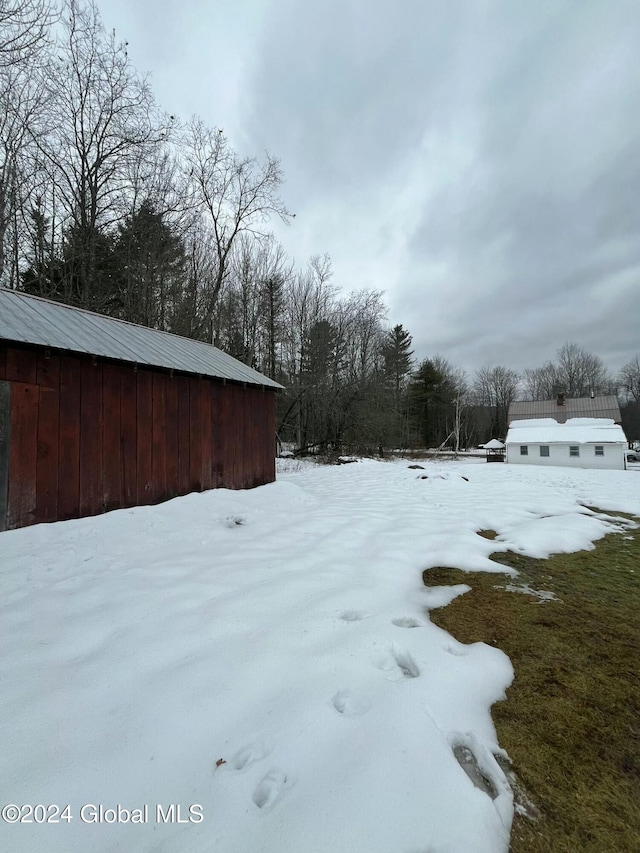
[81, 436]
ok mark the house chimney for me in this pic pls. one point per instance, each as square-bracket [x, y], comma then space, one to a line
[592, 394]
[560, 400]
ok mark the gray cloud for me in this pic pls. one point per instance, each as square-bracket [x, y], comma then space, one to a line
[475, 159]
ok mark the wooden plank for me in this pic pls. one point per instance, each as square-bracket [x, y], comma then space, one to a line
[184, 440]
[144, 424]
[111, 438]
[238, 450]
[48, 370]
[259, 443]
[22, 365]
[69, 439]
[249, 463]
[128, 435]
[229, 443]
[47, 462]
[195, 436]
[227, 434]
[217, 436]
[256, 434]
[159, 438]
[23, 454]
[205, 432]
[171, 440]
[270, 405]
[252, 459]
[5, 444]
[3, 362]
[231, 426]
[260, 431]
[91, 431]
[265, 437]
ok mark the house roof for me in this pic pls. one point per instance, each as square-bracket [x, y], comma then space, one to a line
[32, 320]
[573, 407]
[574, 431]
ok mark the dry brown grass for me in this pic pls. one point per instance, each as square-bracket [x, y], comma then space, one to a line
[571, 722]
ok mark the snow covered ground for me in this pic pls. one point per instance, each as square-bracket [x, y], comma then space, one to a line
[266, 658]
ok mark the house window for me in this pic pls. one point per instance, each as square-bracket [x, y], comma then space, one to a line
[524, 450]
[574, 450]
[544, 450]
[599, 449]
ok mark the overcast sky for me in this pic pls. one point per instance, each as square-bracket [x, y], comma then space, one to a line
[477, 160]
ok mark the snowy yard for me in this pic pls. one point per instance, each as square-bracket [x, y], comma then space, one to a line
[267, 659]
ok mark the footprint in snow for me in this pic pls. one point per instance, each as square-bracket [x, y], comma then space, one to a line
[407, 622]
[405, 662]
[270, 788]
[354, 615]
[398, 663]
[466, 758]
[349, 705]
[249, 754]
[458, 651]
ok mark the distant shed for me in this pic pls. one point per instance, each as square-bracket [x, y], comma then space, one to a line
[98, 414]
[495, 450]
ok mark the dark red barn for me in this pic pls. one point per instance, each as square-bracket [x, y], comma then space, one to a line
[98, 414]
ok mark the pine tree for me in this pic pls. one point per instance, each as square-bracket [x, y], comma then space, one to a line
[397, 363]
[151, 271]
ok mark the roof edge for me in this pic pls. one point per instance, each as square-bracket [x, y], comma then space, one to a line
[150, 359]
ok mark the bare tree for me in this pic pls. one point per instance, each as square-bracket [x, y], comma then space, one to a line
[629, 378]
[364, 313]
[24, 28]
[541, 383]
[496, 388]
[191, 314]
[236, 195]
[575, 373]
[580, 373]
[310, 304]
[20, 101]
[153, 175]
[102, 116]
[250, 309]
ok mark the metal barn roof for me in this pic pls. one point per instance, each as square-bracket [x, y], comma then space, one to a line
[33, 320]
[573, 407]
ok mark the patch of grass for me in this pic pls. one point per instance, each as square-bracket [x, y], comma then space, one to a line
[487, 534]
[571, 722]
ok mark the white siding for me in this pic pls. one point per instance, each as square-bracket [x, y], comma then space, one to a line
[614, 455]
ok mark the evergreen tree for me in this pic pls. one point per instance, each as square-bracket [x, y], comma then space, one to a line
[397, 355]
[432, 395]
[272, 299]
[83, 273]
[397, 362]
[151, 273]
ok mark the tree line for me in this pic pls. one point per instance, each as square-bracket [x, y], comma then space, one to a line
[110, 204]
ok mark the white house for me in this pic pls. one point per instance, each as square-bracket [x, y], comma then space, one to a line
[579, 443]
